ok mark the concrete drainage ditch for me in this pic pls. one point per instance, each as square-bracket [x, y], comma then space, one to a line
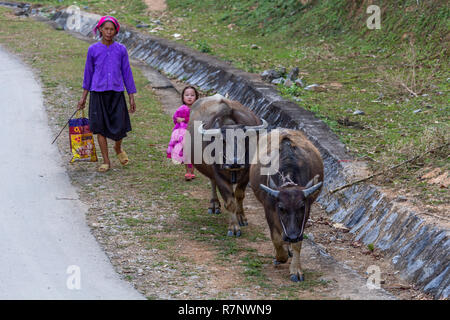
[418, 249]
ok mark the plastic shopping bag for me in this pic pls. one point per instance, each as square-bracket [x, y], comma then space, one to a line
[81, 139]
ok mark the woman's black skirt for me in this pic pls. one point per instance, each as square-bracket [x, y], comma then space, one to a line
[108, 114]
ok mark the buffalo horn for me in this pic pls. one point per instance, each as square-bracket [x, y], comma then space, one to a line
[310, 191]
[272, 183]
[258, 127]
[312, 181]
[272, 192]
[208, 131]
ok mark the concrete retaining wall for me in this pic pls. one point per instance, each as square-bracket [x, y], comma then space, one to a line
[418, 250]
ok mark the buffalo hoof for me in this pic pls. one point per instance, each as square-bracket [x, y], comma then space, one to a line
[217, 211]
[277, 263]
[230, 233]
[210, 211]
[297, 278]
[243, 224]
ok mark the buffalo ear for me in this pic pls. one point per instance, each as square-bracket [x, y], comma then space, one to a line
[308, 192]
[273, 193]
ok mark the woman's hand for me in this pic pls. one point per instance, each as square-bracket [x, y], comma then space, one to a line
[132, 103]
[81, 104]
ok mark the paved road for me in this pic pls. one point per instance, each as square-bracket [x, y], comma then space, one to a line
[46, 248]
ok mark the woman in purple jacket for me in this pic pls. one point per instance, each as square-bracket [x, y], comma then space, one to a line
[107, 70]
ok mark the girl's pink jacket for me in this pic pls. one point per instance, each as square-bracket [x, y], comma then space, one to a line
[175, 148]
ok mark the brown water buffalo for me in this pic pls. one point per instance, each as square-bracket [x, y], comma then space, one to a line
[214, 118]
[288, 194]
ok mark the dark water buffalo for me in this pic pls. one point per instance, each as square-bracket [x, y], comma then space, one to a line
[212, 119]
[288, 194]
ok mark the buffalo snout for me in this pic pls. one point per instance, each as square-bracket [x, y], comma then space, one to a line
[233, 166]
[293, 238]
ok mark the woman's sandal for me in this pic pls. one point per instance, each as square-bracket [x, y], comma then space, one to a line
[104, 167]
[187, 177]
[123, 158]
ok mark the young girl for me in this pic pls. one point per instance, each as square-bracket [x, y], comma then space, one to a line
[107, 70]
[181, 120]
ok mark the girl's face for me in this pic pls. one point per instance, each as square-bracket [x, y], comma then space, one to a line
[108, 30]
[189, 96]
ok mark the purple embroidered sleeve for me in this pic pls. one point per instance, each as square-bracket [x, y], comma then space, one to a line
[176, 115]
[187, 112]
[127, 73]
[182, 112]
[88, 70]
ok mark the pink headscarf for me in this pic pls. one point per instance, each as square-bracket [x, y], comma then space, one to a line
[105, 19]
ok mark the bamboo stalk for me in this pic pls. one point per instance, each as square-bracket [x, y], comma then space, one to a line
[409, 90]
[388, 169]
[64, 126]
[436, 216]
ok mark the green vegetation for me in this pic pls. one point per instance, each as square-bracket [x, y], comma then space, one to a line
[130, 12]
[288, 19]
